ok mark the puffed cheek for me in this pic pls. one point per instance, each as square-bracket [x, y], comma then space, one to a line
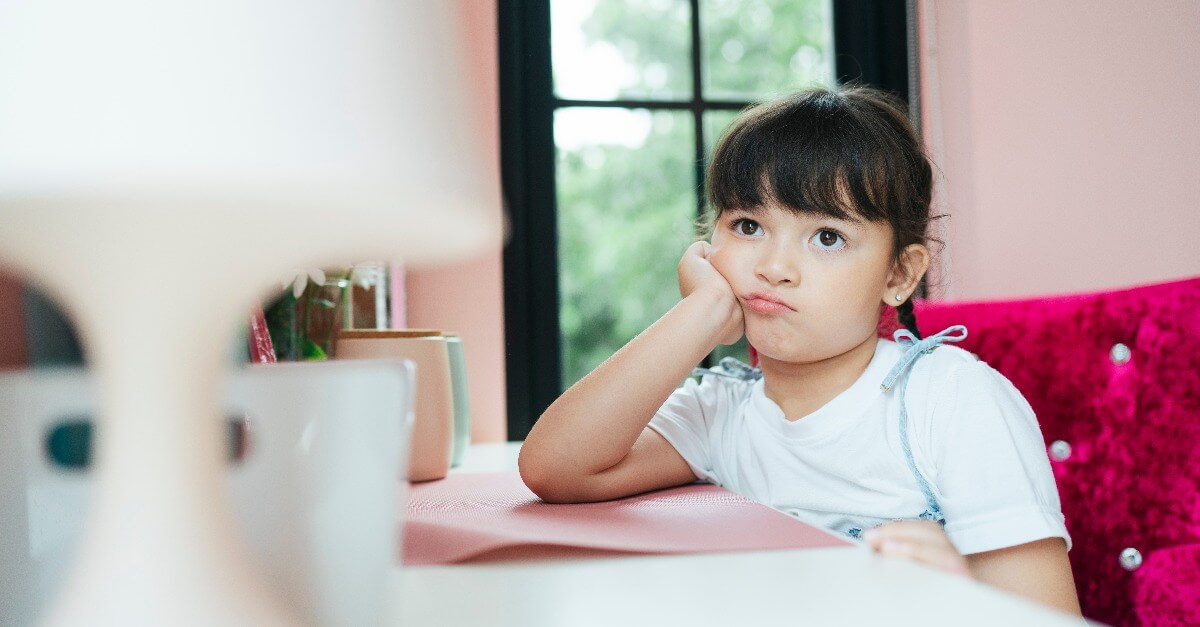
[721, 258]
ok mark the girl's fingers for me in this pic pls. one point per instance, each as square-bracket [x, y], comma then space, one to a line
[920, 540]
[694, 268]
[905, 531]
[935, 555]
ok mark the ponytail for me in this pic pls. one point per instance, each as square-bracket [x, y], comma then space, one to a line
[908, 318]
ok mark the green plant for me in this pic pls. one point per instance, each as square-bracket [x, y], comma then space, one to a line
[304, 319]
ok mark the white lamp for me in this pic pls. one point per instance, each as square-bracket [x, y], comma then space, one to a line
[161, 163]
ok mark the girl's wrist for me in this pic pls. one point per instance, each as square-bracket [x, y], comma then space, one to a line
[718, 308]
[717, 298]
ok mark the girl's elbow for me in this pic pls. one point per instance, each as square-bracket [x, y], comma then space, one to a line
[546, 480]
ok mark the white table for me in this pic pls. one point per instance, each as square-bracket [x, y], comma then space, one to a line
[828, 586]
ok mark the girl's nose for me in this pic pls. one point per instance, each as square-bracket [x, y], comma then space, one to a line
[777, 267]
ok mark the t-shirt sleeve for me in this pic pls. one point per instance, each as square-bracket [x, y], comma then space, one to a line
[993, 477]
[685, 420]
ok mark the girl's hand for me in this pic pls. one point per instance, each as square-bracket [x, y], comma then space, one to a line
[697, 274]
[922, 540]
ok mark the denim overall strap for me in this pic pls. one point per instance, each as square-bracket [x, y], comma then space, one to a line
[731, 368]
[917, 348]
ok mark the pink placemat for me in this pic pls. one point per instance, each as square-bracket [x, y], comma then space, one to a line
[476, 517]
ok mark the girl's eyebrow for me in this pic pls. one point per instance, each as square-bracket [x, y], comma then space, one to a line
[758, 210]
[839, 215]
[849, 218]
[828, 216]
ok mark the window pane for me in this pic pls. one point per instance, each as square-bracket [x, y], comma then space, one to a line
[715, 123]
[626, 210]
[615, 49]
[757, 49]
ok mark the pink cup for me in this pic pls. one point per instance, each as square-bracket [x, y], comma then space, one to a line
[433, 416]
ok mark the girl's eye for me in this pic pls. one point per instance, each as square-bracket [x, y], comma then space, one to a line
[746, 227]
[828, 240]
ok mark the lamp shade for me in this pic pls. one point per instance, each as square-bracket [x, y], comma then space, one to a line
[162, 162]
[349, 112]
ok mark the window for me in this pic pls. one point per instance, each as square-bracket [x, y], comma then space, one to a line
[609, 109]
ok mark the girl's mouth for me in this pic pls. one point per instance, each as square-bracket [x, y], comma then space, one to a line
[765, 303]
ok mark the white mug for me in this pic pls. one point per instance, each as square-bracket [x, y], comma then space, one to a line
[316, 495]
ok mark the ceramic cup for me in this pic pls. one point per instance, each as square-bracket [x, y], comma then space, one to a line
[462, 405]
[316, 494]
[433, 421]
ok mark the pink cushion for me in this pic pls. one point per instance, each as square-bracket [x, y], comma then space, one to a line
[1132, 478]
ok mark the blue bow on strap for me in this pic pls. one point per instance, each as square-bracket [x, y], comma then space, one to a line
[916, 348]
[731, 368]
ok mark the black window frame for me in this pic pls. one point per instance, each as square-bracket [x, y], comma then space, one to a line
[874, 41]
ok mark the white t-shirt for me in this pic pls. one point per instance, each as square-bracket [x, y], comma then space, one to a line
[974, 438]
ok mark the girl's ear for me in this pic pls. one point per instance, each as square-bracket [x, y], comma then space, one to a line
[906, 273]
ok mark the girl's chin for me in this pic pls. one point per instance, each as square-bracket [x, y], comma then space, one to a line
[791, 350]
[798, 348]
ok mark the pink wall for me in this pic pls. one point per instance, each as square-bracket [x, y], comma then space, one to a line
[467, 298]
[1069, 140]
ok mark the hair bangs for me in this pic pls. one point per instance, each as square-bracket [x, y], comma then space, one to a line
[809, 154]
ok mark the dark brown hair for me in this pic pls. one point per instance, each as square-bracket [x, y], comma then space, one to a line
[845, 152]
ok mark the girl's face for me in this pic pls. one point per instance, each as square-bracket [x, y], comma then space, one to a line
[810, 286]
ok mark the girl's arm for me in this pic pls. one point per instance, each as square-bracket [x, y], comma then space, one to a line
[592, 443]
[1036, 570]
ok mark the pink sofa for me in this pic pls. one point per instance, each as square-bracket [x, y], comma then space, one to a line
[1114, 378]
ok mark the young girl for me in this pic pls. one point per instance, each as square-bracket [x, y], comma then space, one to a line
[820, 206]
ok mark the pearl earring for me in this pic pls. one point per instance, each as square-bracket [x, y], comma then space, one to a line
[899, 298]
